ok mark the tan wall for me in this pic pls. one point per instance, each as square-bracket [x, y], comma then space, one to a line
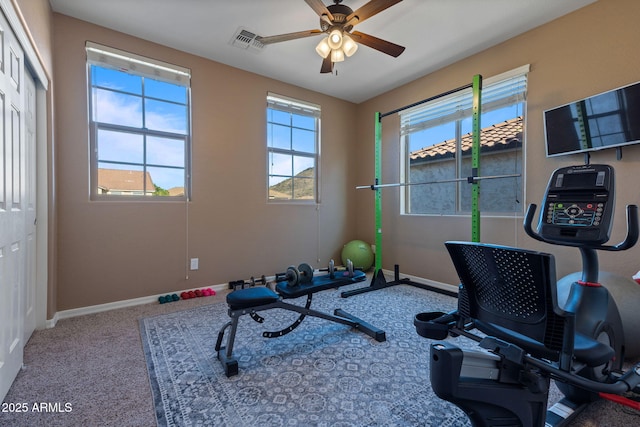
[110, 251]
[586, 52]
[37, 15]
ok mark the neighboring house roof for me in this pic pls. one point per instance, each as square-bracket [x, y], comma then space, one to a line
[176, 191]
[501, 136]
[124, 180]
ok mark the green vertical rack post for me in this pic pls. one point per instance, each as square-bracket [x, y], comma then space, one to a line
[475, 159]
[378, 191]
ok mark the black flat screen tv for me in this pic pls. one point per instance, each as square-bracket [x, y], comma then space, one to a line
[607, 120]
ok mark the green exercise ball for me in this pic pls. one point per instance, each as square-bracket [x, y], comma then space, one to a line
[360, 254]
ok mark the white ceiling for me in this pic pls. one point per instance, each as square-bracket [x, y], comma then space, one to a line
[435, 33]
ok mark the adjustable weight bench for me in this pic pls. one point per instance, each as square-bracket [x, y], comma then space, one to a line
[252, 300]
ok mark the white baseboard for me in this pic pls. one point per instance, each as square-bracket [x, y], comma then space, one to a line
[74, 312]
[50, 323]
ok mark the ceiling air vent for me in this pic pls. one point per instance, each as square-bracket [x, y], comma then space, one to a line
[245, 39]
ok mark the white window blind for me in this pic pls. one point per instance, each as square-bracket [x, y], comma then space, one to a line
[294, 106]
[505, 88]
[105, 56]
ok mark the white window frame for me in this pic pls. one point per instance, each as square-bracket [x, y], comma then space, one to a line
[137, 65]
[453, 108]
[303, 108]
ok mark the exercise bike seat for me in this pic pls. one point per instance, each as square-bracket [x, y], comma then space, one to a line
[590, 351]
[511, 294]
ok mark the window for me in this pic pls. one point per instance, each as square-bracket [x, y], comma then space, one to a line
[292, 149]
[139, 126]
[436, 144]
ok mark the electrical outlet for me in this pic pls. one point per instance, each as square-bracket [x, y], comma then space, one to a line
[194, 263]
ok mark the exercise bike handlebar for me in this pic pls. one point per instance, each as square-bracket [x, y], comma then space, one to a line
[630, 240]
[627, 382]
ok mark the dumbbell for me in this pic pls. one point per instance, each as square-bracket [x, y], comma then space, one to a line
[295, 276]
[235, 284]
[261, 281]
[331, 269]
[168, 298]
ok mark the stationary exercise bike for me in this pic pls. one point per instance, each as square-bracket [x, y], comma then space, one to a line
[536, 329]
[578, 211]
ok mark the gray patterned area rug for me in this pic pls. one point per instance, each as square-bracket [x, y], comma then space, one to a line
[321, 374]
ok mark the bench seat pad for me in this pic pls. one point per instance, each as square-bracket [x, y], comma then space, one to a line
[251, 297]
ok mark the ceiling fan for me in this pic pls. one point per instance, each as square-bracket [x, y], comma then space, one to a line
[337, 22]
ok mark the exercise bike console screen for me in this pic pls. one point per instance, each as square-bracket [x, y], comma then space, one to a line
[578, 205]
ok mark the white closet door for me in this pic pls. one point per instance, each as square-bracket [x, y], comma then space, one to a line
[17, 207]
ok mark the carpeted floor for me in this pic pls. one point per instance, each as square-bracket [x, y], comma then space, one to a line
[91, 370]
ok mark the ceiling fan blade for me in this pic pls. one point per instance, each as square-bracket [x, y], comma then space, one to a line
[319, 8]
[378, 44]
[289, 36]
[327, 65]
[369, 9]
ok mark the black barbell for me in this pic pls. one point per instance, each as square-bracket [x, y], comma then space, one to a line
[295, 276]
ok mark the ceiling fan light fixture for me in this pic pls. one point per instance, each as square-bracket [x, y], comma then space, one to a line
[348, 45]
[337, 55]
[336, 23]
[323, 48]
[335, 39]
